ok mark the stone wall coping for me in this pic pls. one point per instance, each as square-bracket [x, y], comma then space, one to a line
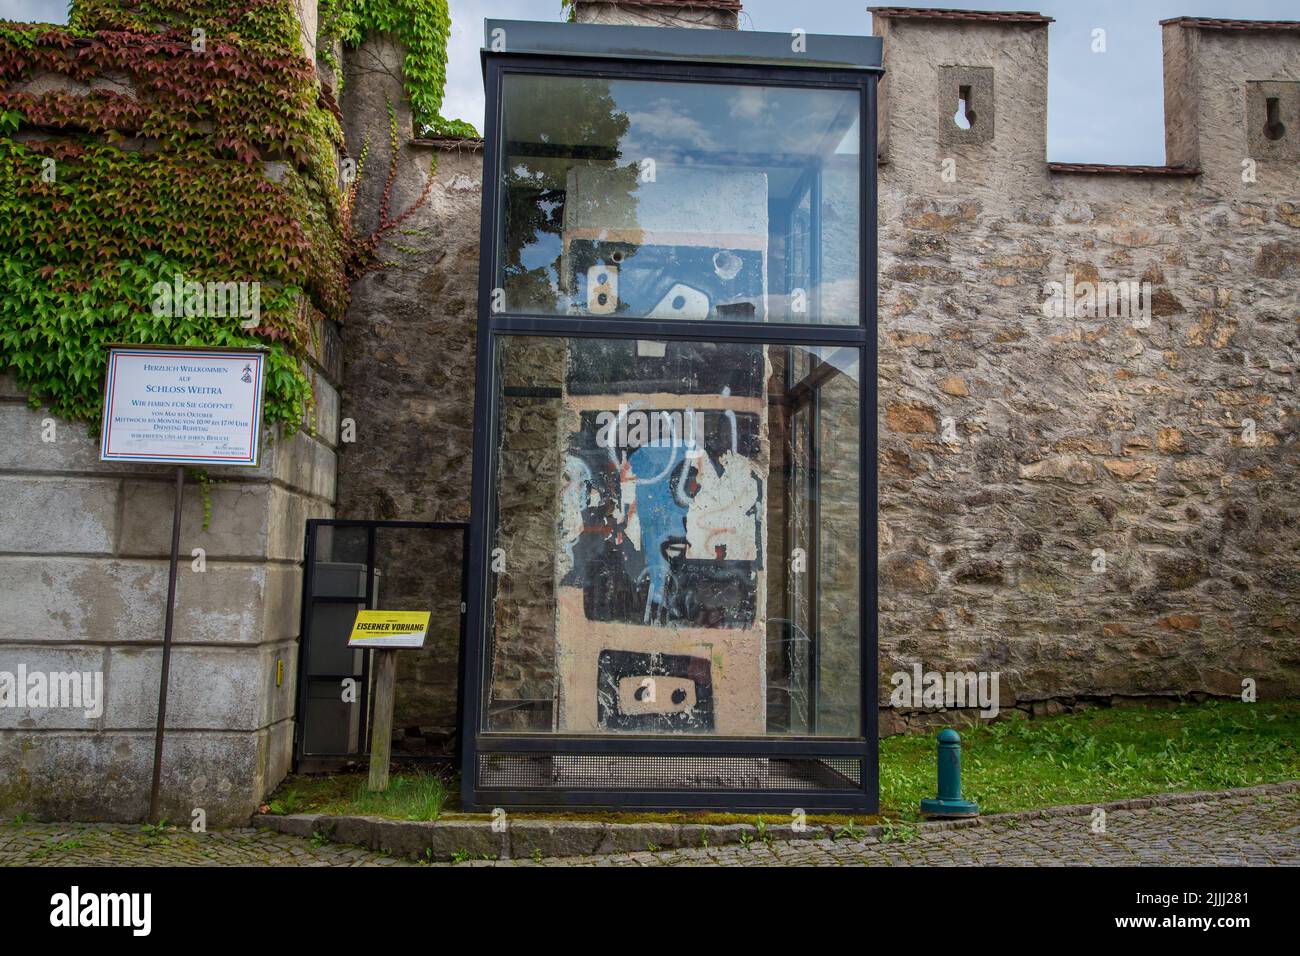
[454, 834]
[705, 4]
[1111, 169]
[1014, 17]
[471, 143]
[1214, 23]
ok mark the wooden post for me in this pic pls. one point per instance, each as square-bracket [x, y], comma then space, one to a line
[381, 731]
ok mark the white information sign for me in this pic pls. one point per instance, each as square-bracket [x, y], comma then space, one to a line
[183, 406]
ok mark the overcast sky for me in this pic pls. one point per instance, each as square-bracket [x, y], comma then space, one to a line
[1102, 107]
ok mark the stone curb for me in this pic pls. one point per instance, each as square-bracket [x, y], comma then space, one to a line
[523, 838]
[443, 840]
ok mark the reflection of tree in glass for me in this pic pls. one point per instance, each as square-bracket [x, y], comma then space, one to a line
[553, 125]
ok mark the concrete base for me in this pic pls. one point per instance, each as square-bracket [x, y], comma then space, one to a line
[940, 808]
[106, 776]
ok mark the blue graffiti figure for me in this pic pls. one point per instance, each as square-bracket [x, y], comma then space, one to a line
[662, 516]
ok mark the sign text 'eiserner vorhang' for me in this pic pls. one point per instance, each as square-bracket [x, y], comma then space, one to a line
[180, 406]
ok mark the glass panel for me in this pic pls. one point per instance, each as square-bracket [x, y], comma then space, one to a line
[340, 561]
[641, 199]
[676, 540]
[330, 724]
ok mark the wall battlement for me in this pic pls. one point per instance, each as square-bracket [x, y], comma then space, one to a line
[1090, 502]
[1221, 79]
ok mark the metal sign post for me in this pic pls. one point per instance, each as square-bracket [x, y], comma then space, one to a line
[167, 647]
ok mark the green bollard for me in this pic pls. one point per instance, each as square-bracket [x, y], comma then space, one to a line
[949, 802]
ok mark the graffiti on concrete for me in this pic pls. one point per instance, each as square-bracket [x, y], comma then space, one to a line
[651, 691]
[664, 525]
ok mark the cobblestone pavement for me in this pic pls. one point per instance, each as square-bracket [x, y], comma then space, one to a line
[1231, 829]
[1251, 831]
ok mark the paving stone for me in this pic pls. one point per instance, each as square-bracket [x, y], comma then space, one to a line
[1233, 828]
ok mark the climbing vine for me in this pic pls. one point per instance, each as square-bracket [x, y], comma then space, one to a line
[153, 140]
[366, 248]
[156, 141]
[423, 27]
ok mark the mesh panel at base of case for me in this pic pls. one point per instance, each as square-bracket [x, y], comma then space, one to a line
[660, 772]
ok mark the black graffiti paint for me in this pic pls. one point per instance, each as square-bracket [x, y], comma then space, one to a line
[613, 573]
[656, 676]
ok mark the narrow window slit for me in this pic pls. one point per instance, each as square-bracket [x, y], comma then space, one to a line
[1274, 128]
[964, 118]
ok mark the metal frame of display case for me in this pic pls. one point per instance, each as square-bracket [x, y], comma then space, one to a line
[702, 56]
[305, 760]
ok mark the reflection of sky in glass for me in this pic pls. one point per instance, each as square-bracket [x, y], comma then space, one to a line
[844, 359]
[673, 118]
[542, 252]
[668, 176]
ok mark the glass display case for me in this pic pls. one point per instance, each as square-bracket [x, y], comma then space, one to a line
[673, 551]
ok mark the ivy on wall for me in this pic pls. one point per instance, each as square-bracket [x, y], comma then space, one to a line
[155, 139]
[423, 27]
[136, 144]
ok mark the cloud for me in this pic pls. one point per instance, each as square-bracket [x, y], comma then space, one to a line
[34, 11]
[665, 124]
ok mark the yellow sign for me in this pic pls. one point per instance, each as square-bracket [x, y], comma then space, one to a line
[389, 629]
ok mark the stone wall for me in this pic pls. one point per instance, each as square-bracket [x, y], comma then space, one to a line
[84, 555]
[408, 385]
[1012, 446]
[1069, 435]
[84, 548]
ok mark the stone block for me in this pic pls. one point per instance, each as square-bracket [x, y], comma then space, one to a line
[564, 838]
[451, 837]
[295, 824]
[56, 515]
[83, 599]
[349, 829]
[275, 755]
[43, 688]
[635, 838]
[229, 603]
[305, 464]
[100, 600]
[238, 527]
[326, 415]
[282, 602]
[23, 444]
[289, 513]
[209, 688]
[105, 776]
